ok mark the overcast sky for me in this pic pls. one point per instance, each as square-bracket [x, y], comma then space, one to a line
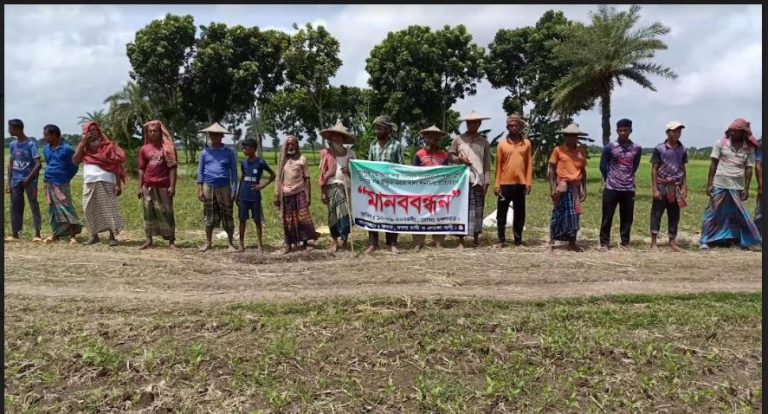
[62, 61]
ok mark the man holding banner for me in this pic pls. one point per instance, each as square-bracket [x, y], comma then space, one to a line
[472, 149]
[386, 149]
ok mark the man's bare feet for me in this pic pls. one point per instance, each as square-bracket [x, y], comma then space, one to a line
[173, 246]
[574, 247]
[438, 245]
[460, 246]
[417, 248]
[655, 247]
[499, 245]
[393, 249]
[72, 241]
[286, 249]
[146, 245]
[334, 247]
[260, 250]
[205, 247]
[241, 249]
[674, 247]
[231, 248]
[370, 249]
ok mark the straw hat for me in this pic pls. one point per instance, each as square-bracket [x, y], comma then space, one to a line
[474, 116]
[572, 129]
[340, 129]
[216, 128]
[432, 130]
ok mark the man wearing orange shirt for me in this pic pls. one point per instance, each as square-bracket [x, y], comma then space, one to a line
[514, 174]
[567, 176]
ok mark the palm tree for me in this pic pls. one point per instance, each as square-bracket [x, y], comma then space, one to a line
[255, 129]
[129, 109]
[97, 116]
[604, 54]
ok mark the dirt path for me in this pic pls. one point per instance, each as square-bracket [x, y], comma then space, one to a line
[527, 273]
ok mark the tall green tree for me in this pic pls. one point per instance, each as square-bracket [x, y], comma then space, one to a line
[523, 62]
[312, 59]
[605, 54]
[98, 116]
[196, 80]
[417, 74]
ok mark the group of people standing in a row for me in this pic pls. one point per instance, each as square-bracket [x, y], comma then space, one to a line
[726, 219]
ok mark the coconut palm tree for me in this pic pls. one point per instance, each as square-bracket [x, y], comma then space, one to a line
[97, 116]
[129, 109]
[602, 56]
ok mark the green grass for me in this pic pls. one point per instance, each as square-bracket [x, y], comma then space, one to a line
[189, 214]
[687, 353]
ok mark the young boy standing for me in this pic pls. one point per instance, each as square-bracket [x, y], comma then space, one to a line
[668, 180]
[249, 191]
[23, 169]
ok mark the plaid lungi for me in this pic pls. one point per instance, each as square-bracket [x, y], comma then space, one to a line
[297, 223]
[217, 207]
[564, 225]
[338, 212]
[726, 219]
[476, 206]
[158, 213]
[100, 208]
[61, 210]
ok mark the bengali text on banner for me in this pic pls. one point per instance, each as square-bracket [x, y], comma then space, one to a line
[398, 198]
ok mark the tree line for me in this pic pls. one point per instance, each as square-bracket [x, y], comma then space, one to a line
[263, 83]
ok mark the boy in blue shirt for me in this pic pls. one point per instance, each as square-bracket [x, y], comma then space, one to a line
[23, 169]
[249, 191]
[59, 171]
[217, 185]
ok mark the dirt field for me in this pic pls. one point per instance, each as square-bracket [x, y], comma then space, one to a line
[522, 273]
[103, 329]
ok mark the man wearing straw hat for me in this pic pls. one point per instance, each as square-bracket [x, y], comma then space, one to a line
[474, 151]
[334, 181]
[430, 156]
[386, 149]
[567, 175]
[217, 185]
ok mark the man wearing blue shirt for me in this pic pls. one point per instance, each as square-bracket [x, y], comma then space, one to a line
[59, 171]
[23, 169]
[217, 185]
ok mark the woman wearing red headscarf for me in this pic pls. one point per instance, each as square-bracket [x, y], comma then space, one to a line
[157, 183]
[103, 179]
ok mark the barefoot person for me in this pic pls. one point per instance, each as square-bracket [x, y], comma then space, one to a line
[23, 170]
[726, 220]
[217, 185]
[103, 179]
[249, 192]
[59, 171]
[472, 149]
[293, 196]
[430, 156]
[334, 182]
[386, 149]
[514, 176]
[567, 177]
[618, 165]
[668, 181]
[157, 183]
